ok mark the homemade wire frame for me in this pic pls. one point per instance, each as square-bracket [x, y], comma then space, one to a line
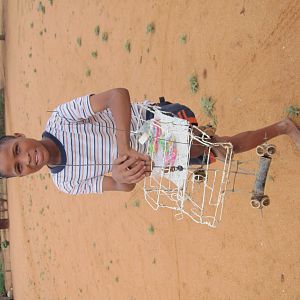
[197, 191]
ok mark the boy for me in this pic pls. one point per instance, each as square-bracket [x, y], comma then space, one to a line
[81, 145]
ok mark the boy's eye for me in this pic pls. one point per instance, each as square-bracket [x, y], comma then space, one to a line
[17, 150]
[19, 169]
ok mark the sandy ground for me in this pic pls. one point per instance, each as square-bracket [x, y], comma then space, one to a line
[99, 247]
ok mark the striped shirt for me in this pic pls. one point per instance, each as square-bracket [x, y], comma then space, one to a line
[88, 145]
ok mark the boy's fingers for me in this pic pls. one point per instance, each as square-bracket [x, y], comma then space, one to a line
[140, 179]
[147, 162]
[129, 162]
[120, 159]
[135, 169]
[145, 157]
[148, 170]
[138, 176]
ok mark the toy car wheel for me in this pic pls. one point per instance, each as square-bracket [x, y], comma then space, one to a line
[271, 149]
[265, 201]
[255, 203]
[260, 150]
[199, 175]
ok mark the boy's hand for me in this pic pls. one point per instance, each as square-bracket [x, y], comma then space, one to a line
[131, 169]
[140, 157]
[133, 153]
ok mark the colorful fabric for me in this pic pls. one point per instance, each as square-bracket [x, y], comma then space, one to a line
[183, 112]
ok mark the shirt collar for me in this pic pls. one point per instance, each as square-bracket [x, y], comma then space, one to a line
[57, 169]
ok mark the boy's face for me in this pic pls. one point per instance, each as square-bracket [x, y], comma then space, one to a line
[22, 156]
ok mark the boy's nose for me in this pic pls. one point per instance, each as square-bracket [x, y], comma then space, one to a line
[25, 158]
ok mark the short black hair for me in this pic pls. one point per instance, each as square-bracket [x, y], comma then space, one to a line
[3, 140]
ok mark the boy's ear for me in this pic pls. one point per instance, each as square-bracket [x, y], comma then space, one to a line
[17, 134]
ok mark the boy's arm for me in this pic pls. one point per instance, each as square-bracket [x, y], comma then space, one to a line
[118, 101]
[109, 184]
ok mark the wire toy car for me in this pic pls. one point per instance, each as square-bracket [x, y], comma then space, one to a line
[197, 191]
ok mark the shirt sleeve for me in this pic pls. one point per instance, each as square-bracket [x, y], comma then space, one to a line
[89, 186]
[78, 109]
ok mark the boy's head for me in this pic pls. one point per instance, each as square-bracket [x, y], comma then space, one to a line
[21, 156]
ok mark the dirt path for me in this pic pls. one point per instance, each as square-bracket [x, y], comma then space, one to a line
[98, 247]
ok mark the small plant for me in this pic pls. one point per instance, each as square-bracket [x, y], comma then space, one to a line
[31, 25]
[97, 30]
[127, 46]
[41, 32]
[88, 72]
[214, 121]
[272, 178]
[293, 111]
[151, 229]
[95, 54]
[194, 85]
[117, 279]
[4, 244]
[207, 105]
[104, 36]
[51, 2]
[41, 8]
[30, 55]
[2, 279]
[79, 41]
[42, 275]
[183, 39]
[136, 203]
[150, 27]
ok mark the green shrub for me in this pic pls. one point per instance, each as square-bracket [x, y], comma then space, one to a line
[127, 46]
[150, 27]
[293, 111]
[194, 85]
[2, 280]
[207, 105]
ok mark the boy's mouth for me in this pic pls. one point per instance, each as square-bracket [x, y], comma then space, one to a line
[36, 158]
